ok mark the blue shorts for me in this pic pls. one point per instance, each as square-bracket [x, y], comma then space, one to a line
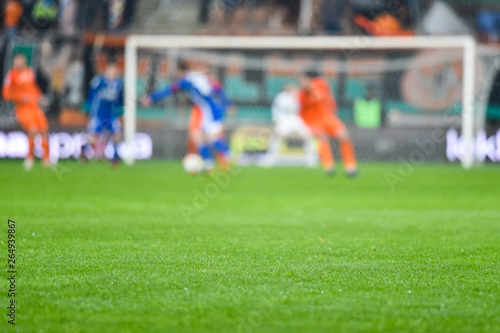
[98, 126]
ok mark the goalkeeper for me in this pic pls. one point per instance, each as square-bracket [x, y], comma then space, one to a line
[288, 124]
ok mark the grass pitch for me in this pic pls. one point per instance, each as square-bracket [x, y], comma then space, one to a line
[152, 249]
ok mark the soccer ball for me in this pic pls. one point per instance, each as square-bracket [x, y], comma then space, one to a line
[193, 163]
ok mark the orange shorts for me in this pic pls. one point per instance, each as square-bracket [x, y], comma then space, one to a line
[195, 120]
[194, 126]
[330, 126]
[32, 119]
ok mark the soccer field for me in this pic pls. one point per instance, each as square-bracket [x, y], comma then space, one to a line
[143, 249]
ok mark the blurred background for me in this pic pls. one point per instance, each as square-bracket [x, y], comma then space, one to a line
[389, 99]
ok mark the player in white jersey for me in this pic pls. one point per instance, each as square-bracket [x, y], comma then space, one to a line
[285, 111]
[287, 124]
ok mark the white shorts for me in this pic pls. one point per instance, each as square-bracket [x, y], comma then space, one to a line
[209, 126]
[292, 125]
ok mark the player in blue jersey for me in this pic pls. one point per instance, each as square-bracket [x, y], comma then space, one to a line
[104, 105]
[209, 98]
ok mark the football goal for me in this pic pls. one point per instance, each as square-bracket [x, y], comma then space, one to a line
[394, 89]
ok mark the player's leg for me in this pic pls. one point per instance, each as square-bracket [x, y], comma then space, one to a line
[101, 142]
[116, 138]
[203, 145]
[195, 123]
[93, 131]
[26, 122]
[29, 161]
[210, 130]
[43, 128]
[88, 149]
[222, 149]
[213, 127]
[348, 154]
[196, 137]
[309, 144]
[287, 127]
[325, 152]
[46, 152]
[191, 145]
[219, 142]
[280, 131]
[338, 130]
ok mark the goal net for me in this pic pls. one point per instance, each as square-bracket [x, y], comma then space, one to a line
[399, 96]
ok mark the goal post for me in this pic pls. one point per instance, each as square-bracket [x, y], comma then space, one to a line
[466, 44]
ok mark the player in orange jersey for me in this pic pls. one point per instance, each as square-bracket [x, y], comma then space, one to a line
[318, 110]
[20, 88]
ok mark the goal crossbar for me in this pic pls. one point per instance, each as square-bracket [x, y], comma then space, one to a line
[466, 43]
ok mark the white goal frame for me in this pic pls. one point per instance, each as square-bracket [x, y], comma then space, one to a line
[466, 43]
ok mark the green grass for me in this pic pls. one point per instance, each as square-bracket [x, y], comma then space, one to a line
[276, 250]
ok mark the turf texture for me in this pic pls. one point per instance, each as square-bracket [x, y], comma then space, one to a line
[148, 248]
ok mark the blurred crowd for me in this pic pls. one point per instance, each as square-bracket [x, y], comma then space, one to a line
[378, 17]
[37, 17]
[334, 17]
[53, 35]
[351, 17]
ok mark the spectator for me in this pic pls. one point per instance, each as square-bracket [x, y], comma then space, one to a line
[12, 14]
[74, 82]
[92, 14]
[332, 14]
[383, 25]
[116, 14]
[369, 8]
[488, 22]
[45, 14]
[441, 19]
[204, 13]
[67, 19]
[292, 11]
[385, 17]
[129, 13]
[85, 15]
